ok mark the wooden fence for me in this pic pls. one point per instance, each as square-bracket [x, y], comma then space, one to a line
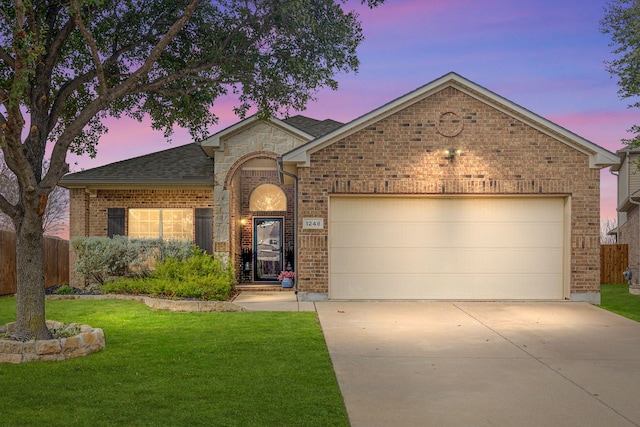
[56, 262]
[614, 259]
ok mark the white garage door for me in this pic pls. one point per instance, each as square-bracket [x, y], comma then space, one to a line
[446, 248]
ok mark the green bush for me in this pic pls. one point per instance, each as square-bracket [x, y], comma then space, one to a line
[64, 290]
[100, 259]
[200, 277]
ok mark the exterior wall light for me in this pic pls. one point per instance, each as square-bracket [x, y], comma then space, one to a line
[451, 153]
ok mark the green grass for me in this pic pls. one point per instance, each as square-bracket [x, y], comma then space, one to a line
[161, 368]
[616, 298]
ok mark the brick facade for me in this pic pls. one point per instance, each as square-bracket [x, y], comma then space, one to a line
[403, 154]
[92, 210]
[88, 212]
[249, 181]
[395, 150]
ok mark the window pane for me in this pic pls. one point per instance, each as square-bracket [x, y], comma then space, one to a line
[144, 223]
[268, 197]
[177, 224]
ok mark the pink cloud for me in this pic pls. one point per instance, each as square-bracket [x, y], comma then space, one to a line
[605, 128]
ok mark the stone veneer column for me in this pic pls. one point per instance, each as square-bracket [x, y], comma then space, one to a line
[221, 220]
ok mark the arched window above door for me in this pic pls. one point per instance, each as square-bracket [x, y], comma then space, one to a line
[268, 197]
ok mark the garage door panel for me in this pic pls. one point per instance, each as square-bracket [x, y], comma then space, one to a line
[447, 248]
[445, 260]
[414, 234]
[443, 287]
[446, 210]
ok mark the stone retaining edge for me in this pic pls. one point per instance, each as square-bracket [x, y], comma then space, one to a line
[89, 340]
[163, 304]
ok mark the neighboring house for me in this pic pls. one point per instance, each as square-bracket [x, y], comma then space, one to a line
[628, 230]
[448, 192]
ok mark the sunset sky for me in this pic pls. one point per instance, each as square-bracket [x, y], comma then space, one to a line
[546, 56]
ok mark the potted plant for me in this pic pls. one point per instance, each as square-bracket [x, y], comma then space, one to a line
[286, 277]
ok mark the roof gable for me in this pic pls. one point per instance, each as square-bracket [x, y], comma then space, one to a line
[304, 128]
[598, 156]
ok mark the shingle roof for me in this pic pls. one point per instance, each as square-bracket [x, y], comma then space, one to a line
[312, 126]
[186, 164]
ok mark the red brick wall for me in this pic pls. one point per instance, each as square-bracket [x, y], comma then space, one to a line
[89, 214]
[249, 181]
[403, 154]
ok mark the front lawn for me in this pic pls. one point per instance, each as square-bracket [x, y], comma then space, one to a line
[616, 298]
[162, 368]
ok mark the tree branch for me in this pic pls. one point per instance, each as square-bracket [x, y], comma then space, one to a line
[19, 9]
[57, 42]
[6, 58]
[7, 207]
[70, 87]
[102, 83]
[65, 92]
[191, 73]
[159, 48]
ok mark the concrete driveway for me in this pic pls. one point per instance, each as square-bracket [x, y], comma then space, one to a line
[484, 363]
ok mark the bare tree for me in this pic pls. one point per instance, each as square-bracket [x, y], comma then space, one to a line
[608, 227]
[56, 216]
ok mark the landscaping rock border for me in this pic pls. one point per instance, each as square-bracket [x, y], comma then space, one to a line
[163, 304]
[89, 340]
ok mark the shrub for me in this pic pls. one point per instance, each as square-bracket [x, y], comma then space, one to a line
[64, 290]
[100, 259]
[199, 276]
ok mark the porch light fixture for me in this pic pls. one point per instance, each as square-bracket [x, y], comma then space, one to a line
[451, 153]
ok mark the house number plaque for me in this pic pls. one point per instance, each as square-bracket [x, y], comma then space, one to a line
[313, 223]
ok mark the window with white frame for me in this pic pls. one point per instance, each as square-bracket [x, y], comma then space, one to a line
[162, 223]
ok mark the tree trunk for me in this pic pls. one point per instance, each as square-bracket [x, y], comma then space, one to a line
[30, 297]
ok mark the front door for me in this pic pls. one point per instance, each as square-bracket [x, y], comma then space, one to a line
[267, 247]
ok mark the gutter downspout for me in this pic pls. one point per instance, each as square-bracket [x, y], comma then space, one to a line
[282, 173]
[617, 175]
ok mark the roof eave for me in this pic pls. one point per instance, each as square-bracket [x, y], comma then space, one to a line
[97, 183]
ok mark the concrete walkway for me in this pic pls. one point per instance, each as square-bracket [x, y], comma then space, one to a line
[484, 363]
[272, 301]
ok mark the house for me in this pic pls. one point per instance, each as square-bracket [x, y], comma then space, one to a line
[628, 230]
[448, 192]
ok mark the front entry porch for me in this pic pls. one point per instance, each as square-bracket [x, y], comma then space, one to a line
[261, 213]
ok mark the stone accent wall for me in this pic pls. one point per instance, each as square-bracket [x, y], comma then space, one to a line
[403, 154]
[261, 139]
[630, 234]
